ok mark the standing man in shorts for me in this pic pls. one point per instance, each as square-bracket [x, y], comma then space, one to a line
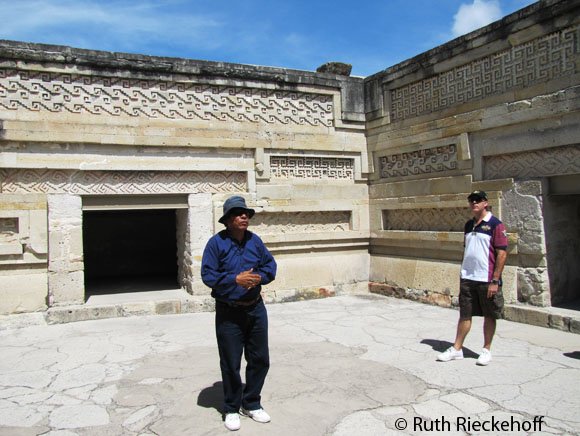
[484, 257]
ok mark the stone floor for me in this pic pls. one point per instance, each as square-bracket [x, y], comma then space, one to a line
[352, 365]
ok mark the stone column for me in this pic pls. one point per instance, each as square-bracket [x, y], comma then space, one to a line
[65, 250]
[196, 229]
[522, 211]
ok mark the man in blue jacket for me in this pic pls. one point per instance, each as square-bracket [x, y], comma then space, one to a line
[235, 265]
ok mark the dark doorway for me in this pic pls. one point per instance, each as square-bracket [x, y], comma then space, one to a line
[562, 228]
[129, 251]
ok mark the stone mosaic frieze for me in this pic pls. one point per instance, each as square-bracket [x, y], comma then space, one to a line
[122, 97]
[119, 182]
[424, 161]
[301, 222]
[451, 219]
[538, 163]
[536, 61]
[304, 167]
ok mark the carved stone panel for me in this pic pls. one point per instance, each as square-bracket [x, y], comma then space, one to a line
[301, 222]
[425, 161]
[22, 229]
[119, 182]
[95, 95]
[536, 61]
[8, 228]
[304, 167]
[538, 163]
[451, 219]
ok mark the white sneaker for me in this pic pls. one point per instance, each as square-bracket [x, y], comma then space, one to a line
[484, 358]
[450, 354]
[258, 415]
[232, 421]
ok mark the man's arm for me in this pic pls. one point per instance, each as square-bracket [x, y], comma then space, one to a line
[211, 273]
[268, 267]
[500, 258]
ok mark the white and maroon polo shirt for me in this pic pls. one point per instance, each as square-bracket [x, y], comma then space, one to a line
[480, 244]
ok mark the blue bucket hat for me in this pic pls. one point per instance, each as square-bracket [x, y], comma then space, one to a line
[235, 202]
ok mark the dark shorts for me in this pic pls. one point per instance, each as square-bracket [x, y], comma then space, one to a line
[473, 300]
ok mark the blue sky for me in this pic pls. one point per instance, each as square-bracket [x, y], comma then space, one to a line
[301, 34]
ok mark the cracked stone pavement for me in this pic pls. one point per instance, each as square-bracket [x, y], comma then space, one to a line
[339, 366]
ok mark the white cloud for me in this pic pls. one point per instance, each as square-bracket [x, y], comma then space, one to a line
[473, 16]
[119, 23]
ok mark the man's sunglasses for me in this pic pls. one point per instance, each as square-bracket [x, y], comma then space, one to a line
[239, 212]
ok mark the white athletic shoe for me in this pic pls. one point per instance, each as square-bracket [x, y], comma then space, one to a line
[232, 421]
[258, 415]
[484, 358]
[450, 354]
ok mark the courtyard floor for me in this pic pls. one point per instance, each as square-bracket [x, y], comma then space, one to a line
[349, 365]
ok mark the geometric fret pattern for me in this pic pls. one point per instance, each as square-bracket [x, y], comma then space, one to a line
[301, 222]
[424, 161]
[301, 167]
[536, 61]
[119, 182]
[450, 219]
[529, 164]
[79, 94]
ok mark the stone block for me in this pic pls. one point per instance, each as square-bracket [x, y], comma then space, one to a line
[559, 322]
[301, 272]
[198, 304]
[66, 288]
[575, 326]
[60, 315]
[167, 307]
[23, 291]
[138, 308]
[438, 277]
[526, 315]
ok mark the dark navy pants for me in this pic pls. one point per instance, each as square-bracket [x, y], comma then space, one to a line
[241, 329]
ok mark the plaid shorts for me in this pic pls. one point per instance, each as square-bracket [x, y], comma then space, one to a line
[473, 300]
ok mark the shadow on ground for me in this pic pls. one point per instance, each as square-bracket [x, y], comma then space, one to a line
[212, 397]
[441, 346]
[573, 354]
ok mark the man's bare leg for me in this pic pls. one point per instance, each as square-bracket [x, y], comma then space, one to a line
[488, 331]
[463, 327]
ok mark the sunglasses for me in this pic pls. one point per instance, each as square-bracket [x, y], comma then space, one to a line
[476, 201]
[239, 212]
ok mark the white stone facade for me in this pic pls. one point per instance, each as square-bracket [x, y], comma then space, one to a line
[486, 111]
[356, 182]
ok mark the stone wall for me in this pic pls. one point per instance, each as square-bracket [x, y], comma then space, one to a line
[23, 253]
[498, 110]
[353, 180]
[90, 129]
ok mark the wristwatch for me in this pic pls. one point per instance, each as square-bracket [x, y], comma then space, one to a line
[495, 282]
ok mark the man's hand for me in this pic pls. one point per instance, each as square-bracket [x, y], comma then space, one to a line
[492, 289]
[248, 279]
